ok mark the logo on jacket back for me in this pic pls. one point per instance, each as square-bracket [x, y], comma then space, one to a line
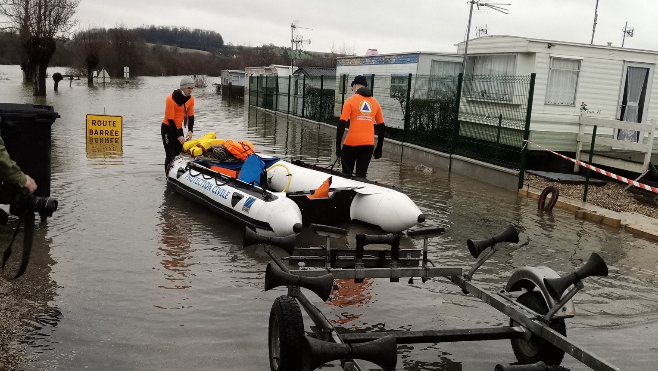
[365, 108]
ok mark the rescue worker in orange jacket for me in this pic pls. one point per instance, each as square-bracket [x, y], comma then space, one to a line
[363, 113]
[179, 112]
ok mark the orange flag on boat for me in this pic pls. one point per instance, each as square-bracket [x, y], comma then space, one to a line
[322, 191]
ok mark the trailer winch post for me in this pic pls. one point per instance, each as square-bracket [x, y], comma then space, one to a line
[469, 275]
[579, 286]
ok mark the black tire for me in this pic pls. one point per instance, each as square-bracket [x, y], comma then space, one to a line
[285, 334]
[538, 349]
[554, 192]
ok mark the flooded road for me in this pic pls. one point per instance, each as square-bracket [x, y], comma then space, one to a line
[134, 277]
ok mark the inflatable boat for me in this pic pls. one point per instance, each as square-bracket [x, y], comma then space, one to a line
[274, 197]
[349, 198]
[263, 211]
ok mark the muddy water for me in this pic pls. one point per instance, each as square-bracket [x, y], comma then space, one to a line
[130, 276]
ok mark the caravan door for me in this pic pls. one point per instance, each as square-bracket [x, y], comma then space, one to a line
[634, 97]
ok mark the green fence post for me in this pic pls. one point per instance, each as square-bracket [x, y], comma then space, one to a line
[526, 132]
[455, 125]
[265, 93]
[257, 89]
[500, 125]
[372, 84]
[276, 93]
[591, 154]
[303, 95]
[407, 114]
[342, 101]
[289, 83]
[321, 96]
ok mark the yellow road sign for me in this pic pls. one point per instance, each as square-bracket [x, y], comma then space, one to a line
[103, 126]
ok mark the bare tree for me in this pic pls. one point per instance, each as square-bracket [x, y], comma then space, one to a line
[90, 43]
[38, 22]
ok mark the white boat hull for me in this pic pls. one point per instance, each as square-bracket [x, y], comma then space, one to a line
[243, 203]
[391, 210]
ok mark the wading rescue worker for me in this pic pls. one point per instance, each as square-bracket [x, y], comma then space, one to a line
[179, 112]
[10, 172]
[362, 111]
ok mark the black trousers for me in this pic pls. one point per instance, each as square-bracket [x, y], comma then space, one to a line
[359, 155]
[171, 144]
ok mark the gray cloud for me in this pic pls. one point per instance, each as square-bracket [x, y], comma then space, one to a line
[387, 25]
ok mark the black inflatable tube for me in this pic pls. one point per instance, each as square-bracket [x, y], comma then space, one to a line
[553, 191]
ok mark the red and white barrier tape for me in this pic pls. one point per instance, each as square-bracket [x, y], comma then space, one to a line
[601, 171]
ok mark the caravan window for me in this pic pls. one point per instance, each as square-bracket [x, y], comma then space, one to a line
[443, 78]
[399, 83]
[491, 65]
[562, 81]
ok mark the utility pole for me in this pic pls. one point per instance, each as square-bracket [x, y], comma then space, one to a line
[596, 15]
[296, 43]
[478, 3]
[627, 31]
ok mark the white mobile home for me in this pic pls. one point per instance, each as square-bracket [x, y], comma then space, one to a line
[390, 71]
[233, 77]
[571, 79]
[271, 70]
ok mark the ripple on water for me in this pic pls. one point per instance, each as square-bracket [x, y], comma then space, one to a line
[146, 280]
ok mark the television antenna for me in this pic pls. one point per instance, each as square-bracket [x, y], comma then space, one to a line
[499, 7]
[627, 31]
[596, 15]
[296, 42]
[479, 31]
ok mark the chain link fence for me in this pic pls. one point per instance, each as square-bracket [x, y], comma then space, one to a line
[484, 117]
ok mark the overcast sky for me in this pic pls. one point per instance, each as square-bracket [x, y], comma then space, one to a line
[387, 25]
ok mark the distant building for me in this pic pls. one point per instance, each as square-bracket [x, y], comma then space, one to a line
[315, 71]
[271, 70]
[233, 82]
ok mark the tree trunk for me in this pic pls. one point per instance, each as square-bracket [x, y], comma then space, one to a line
[92, 62]
[28, 72]
[40, 82]
[39, 52]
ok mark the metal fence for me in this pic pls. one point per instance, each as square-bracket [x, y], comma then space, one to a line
[484, 117]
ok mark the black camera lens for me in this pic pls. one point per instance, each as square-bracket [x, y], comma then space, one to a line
[42, 205]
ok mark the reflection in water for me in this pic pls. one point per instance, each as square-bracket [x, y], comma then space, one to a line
[175, 248]
[106, 287]
[350, 294]
[26, 304]
[444, 363]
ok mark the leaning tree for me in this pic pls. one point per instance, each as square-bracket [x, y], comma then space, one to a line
[91, 43]
[38, 22]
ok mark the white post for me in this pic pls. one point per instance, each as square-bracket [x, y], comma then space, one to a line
[579, 146]
[647, 156]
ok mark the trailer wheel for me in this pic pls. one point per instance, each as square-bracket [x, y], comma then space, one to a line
[285, 334]
[538, 349]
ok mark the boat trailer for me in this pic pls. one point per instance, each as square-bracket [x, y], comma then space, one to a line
[537, 301]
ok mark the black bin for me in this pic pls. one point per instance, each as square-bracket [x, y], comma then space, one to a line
[25, 129]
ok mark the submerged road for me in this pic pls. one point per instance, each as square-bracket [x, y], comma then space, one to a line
[130, 276]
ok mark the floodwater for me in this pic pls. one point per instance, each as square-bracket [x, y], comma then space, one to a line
[131, 276]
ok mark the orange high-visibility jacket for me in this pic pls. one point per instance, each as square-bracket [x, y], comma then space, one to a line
[363, 113]
[177, 113]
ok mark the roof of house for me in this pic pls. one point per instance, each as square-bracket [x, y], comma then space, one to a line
[529, 39]
[316, 71]
[396, 54]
